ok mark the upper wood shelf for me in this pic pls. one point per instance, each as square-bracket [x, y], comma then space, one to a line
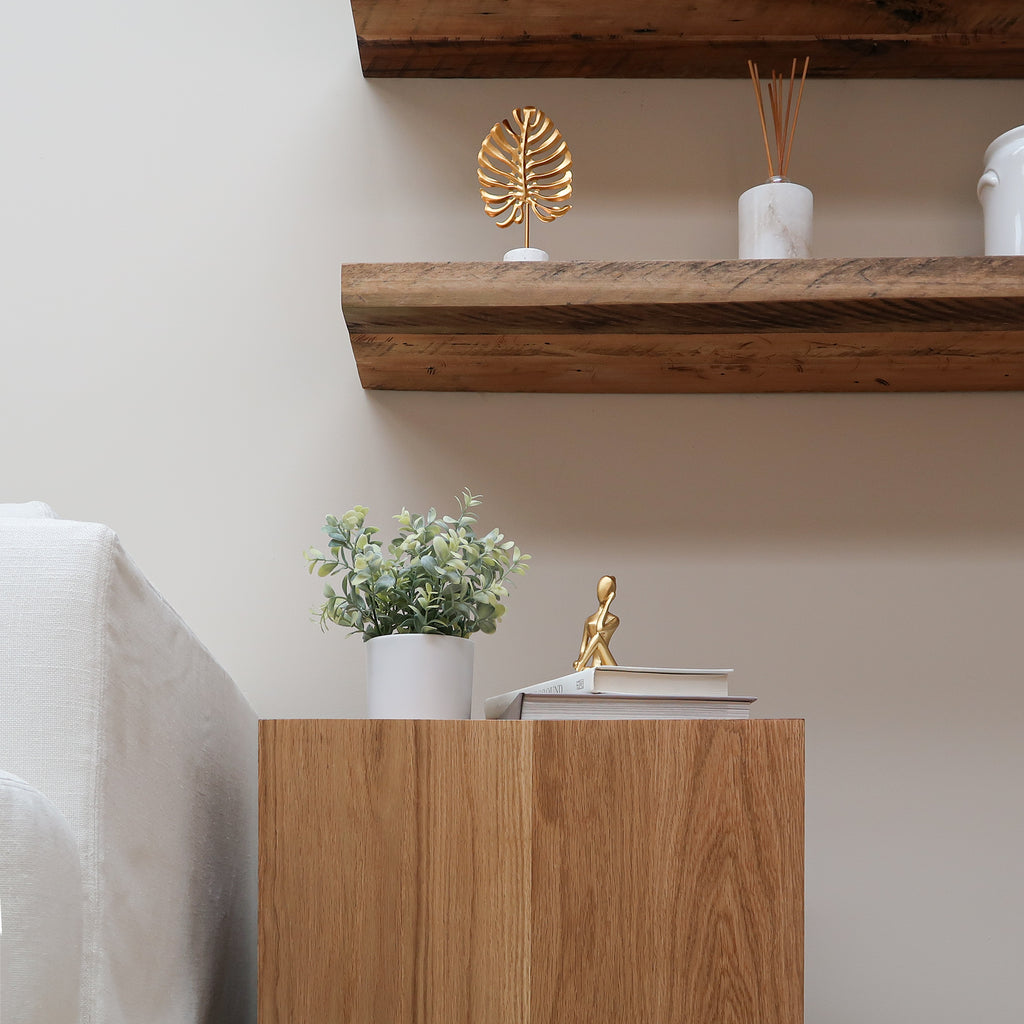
[697, 39]
[912, 324]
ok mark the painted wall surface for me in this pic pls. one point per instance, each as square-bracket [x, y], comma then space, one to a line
[181, 183]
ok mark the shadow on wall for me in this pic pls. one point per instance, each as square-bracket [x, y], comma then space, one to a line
[874, 469]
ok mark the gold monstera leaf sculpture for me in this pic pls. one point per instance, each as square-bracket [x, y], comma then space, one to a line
[525, 165]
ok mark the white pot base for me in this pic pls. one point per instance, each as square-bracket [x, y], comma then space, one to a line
[419, 675]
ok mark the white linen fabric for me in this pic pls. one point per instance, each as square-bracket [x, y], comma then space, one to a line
[111, 707]
[27, 510]
[41, 903]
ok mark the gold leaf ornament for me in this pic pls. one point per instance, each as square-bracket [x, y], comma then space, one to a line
[524, 165]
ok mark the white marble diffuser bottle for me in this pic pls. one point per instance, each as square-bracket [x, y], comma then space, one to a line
[776, 219]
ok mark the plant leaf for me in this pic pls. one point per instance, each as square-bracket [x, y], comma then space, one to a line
[437, 577]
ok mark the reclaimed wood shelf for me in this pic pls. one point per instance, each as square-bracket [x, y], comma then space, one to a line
[432, 872]
[830, 325]
[699, 39]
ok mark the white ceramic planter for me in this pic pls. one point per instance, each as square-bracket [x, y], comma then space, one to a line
[419, 675]
[1001, 191]
[530, 255]
[776, 221]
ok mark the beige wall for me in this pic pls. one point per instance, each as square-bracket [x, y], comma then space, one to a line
[181, 183]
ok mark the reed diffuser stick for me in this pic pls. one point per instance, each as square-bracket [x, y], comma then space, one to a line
[796, 113]
[789, 105]
[785, 129]
[760, 109]
[776, 118]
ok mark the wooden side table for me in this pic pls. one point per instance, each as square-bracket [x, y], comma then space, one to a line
[426, 872]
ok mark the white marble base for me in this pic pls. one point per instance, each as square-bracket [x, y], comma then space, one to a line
[526, 256]
[776, 221]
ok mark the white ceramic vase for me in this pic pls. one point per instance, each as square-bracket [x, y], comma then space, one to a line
[419, 675]
[776, 221]
[529, 255]
[1001, 191]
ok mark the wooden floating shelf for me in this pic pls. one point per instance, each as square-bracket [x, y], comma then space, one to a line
[849, 325]
[698, 39]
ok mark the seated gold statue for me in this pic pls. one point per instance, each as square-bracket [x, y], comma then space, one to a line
[598, 629]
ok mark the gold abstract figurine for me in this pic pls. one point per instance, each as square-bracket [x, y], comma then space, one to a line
[525, 165]
[598, 629]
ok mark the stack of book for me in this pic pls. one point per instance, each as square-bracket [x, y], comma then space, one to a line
[621, 691]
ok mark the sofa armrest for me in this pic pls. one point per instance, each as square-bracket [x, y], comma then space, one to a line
[41, 907]
[115, 710]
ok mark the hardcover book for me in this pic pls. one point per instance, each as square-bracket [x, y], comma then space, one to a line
[622, 679]
[621, 706]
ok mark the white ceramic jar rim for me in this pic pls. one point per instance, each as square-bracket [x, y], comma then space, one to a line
[1013, 135]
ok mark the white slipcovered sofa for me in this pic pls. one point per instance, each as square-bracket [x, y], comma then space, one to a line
[127, 794]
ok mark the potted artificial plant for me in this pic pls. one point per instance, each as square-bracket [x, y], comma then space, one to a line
[416, 601]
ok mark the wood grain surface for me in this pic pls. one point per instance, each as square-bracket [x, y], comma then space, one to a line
[908, 324]
[698, 39]
[500, 872]
[667, 873]
[394, 870]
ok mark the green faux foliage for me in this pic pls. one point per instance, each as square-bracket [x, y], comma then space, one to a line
[436, 576]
